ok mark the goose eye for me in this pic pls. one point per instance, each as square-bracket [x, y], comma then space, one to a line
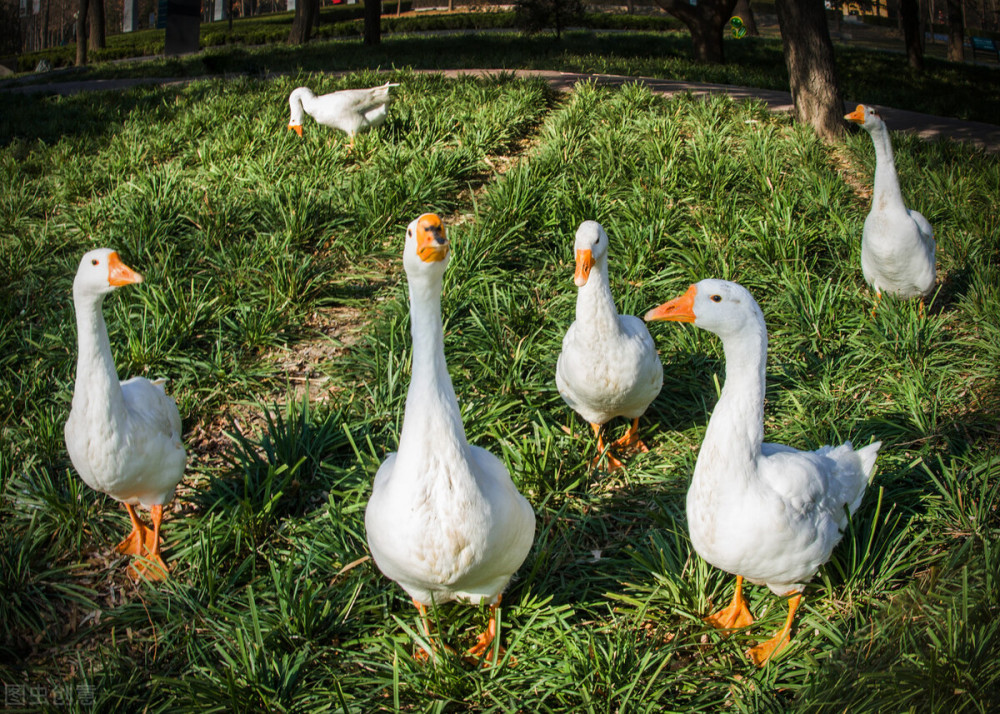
[95, 261]
[716, 298]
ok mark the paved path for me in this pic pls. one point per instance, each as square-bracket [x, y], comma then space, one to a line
[927, 126]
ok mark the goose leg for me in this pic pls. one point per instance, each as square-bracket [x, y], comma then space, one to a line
[484, 643]
[155, 569]
[764, 651]
[136, 540]
[613, 463]
[736, 615]
[878, 298]
[421, 654]
[631, 439]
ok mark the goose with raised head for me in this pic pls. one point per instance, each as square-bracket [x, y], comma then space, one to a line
[897, 243]
[608, 366]
[124, 438]
[350, 110]
[444, 520]
[766, 513]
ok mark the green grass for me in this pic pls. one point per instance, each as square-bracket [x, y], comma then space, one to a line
[271, 259]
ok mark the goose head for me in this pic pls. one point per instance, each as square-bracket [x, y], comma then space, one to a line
[426, 251]
[100, 272]
[591, 245]
[866, 117]
[295, 105]
[719, 306]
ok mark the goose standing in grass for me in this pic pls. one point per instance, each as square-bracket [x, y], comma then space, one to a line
[350, 110]
[444, 520]
[766, 513]
[124, 438]
[897, 244]
[608, 366]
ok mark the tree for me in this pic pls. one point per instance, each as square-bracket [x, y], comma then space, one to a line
[811, 72]
[536, 15]
[97, 24]
[373, 22]
[909, 14]
[745, 13]
[705, 21]
[302, 23]
[956, 31]
[81, 32]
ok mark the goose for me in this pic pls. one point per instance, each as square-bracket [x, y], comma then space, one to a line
[350, 110]
[766, 513]
[444, 519]
[123, 438]
[897, 243]
[608, 366]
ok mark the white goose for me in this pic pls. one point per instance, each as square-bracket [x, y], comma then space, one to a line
[897, 244]
[608, 366]
[124, 438]
[444, 520]
[350, 110]
[764, 512]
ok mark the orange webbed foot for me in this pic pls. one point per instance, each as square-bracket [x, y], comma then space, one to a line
[736, 615]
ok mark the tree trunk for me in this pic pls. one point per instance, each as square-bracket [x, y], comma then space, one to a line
[909, 11]
[81, 32]
[705, 21]
[302, 22]
[96, 24]
[956, 31]
[373, 22]
[811, 71]
[745, 13]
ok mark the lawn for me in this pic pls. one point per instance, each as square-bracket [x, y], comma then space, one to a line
[276, 304]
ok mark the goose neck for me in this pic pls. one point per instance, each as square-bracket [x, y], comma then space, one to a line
[595, 305]
[96, 378]
[432, 414]
[736, 428]
[886, 193]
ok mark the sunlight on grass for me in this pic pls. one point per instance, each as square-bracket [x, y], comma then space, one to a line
[260, 249]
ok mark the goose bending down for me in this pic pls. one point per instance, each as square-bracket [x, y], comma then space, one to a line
[765, 512]
[444, 520]
[608, 366]
[350, 110]
[124, 438]
[897, 244]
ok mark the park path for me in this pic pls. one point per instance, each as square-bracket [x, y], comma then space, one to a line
[926, 126]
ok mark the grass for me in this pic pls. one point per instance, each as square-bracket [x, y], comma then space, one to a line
[275, 303]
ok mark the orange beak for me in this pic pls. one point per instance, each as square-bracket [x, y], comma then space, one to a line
[120, 274]
[584, 262]
[857, 116]
[432, 246]
[680, 309]
[297, 128]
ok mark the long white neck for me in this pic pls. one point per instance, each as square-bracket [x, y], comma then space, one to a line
[886, 194]
[97, 389]
[595, 306]
[432, 424]
[299, 99]
[736, 430]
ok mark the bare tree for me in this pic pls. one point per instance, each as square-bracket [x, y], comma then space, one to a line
[302, 23]
[705, 21]
[96, 23]
[909, 12]
[811, 71]
[81, 32]
[956, 31]
[373, 22]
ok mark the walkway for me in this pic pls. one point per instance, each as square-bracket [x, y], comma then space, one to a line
[927, 126]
